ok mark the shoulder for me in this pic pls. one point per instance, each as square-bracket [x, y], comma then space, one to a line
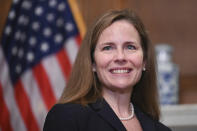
[161, 127]
[64, 116]
[66, 111]
[148, 123]
[68, 108]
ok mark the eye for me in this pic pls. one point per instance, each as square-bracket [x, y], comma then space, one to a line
[131, 47]
[107, 47]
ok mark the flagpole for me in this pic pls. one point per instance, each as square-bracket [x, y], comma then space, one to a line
[78, 17]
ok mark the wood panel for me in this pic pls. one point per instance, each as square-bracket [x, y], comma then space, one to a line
[188, 89]
[167, 21]
[4, 8]
[92, 9]
[173, 22]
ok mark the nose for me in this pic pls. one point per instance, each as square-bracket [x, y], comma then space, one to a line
[120, 56]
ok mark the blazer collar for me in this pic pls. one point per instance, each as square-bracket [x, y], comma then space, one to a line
[105, 111]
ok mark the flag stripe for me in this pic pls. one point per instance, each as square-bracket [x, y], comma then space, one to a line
[78, 39]
[25, 108]
[37, 104]
[64, 63]
[8, 91]
[44, 85]
[56, 77]
[71, 48]
[4, 114]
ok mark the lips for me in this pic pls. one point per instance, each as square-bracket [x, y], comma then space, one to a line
[120, 70]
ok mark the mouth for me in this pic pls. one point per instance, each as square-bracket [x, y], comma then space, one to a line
[120, 70]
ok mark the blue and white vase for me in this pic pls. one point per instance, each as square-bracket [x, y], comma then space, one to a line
[167, 75]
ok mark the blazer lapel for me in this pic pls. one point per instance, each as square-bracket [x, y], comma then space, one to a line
[105, 111]
[146, 122]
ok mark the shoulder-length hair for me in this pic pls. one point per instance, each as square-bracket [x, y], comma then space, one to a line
[84, 87]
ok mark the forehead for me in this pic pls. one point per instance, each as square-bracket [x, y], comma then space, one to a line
[121, 29]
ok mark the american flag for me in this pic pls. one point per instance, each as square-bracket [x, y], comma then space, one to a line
[38, 47]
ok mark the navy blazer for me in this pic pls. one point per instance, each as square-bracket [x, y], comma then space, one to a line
[97, 116]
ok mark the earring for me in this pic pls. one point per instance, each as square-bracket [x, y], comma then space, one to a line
[144, 69]
[93, 69]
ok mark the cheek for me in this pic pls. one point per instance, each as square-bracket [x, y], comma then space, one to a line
[138, 60]
[102, 63]
[101, 60]
[100, 67]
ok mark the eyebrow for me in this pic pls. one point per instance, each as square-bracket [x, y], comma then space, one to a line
[126, 42]
[130, 42]
[107, 43]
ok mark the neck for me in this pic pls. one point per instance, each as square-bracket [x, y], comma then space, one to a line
[119, 101]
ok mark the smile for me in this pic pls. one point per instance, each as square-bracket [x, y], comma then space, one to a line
[120, 71]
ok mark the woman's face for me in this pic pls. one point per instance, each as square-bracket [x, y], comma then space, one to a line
[118, 56]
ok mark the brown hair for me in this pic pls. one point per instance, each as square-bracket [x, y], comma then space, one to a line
[83, 85]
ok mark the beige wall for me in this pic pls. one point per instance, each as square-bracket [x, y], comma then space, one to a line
[168, 21]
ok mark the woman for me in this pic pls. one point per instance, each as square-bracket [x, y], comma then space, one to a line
[112, 85]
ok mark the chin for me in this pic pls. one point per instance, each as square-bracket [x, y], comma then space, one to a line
[122, 86]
